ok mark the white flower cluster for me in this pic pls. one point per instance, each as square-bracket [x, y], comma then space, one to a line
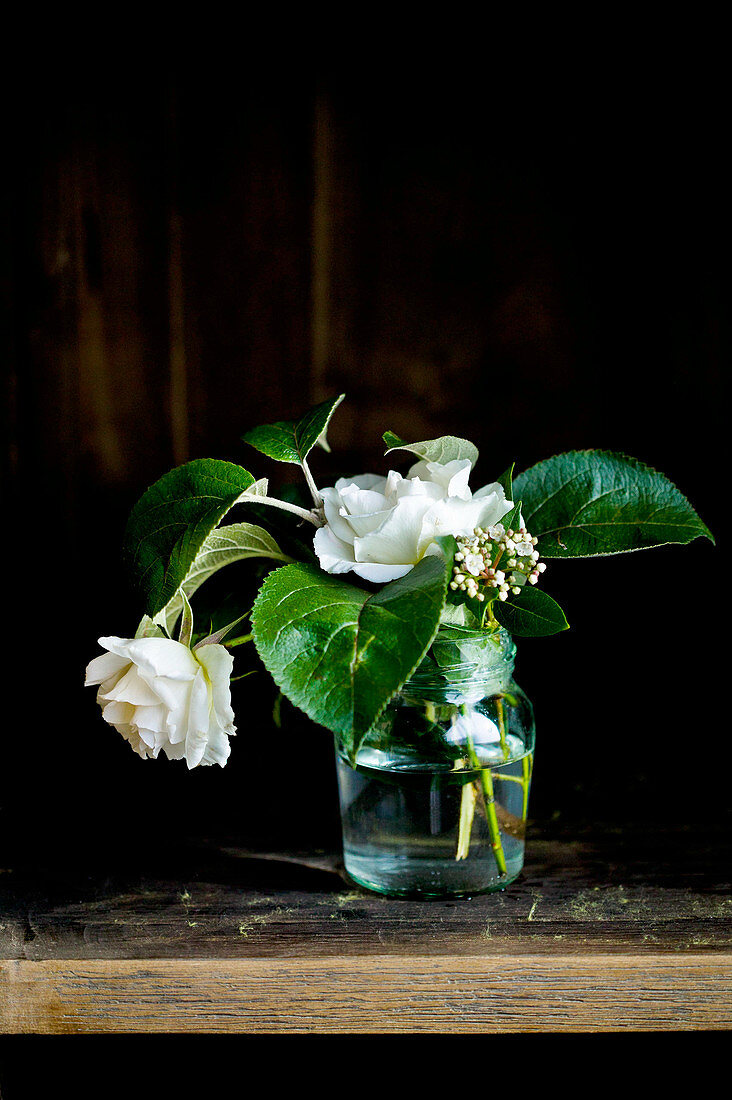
[478, 556]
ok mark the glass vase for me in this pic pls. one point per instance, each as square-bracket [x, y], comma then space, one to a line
[435, 803]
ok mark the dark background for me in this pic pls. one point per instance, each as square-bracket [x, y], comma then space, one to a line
[537, 265]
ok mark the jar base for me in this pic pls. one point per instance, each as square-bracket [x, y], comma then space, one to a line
[426, 879]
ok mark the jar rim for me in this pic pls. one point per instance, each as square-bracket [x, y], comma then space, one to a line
[472, 671]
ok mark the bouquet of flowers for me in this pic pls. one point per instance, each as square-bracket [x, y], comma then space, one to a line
[381, 580]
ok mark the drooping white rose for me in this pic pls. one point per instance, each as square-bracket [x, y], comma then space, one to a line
[159, 694]
[380, 527]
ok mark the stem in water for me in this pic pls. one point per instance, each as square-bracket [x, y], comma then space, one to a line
[526, 768]
[501, 726]
[467, 812]
[486, 781]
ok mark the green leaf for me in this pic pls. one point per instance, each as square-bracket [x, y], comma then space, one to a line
[171, 521]
[447, 448]
[448, 546]
[225, 545]
[257, 488]
[218, 635]
[148, 629]
[339, 653]
[586, 503]
[533, 614]
[186, 622]
[506, 480]
[292, 440]
[511, 520]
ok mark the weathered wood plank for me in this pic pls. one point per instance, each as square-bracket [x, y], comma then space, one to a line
[605, 931]
[580, 894]
[366, 995]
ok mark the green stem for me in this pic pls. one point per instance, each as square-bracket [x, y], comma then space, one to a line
[525, 782]
[317, 498]
[510, 779]
[238, 641]
[486, 781]
[274, 502]
[467, 813]
[492, 620]
[501, 726]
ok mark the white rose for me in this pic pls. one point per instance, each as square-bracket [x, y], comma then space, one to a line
[380, 527]
[159, 694]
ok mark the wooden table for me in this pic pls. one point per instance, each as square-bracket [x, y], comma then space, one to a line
[607, 930]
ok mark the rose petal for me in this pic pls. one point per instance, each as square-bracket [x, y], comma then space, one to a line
[396, 542]
[340, 527]
[380, 574]
[199, 720]
[399, 487]
[115, 713]
[104, 668]
[218, 665]
[362, 481]
[163, 657]
[131, 688]
[450, 477]
[334, 555]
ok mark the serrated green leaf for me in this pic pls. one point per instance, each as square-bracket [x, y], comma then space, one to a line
[447, 448]
[339, 653]
[533, 614]
[587, 503]
[171, 521]
[292, 440]
[225, 545]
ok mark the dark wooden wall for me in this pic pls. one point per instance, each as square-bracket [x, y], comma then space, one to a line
[187, 258]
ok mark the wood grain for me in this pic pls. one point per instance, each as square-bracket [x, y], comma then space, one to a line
[605, 931]
[397, 994]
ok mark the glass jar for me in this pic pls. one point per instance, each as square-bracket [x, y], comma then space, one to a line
[436, 803]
